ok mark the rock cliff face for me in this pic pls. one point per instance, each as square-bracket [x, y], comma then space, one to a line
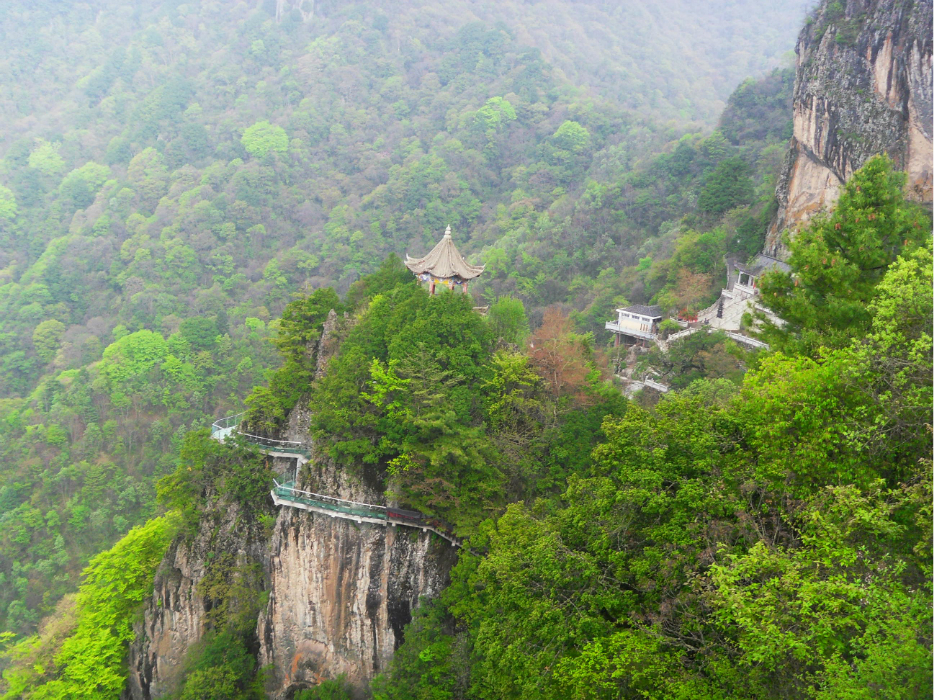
[174, 617]
[862, 87]
[339, 593]
[340, 596]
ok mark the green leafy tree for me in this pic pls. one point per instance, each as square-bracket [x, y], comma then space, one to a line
[89, 663]
[508, 321]
[200, 332]
[8, 206]
[46, 159]
[838, 260]
[571, 136]
[334, 689]
[263, 138]
[47, 338]
[82, 184]
[728, 186]
[836, 616]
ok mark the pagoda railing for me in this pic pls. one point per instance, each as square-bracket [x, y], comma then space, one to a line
[615, 327]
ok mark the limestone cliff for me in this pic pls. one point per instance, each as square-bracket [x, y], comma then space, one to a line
[175, 617]
[340, 596]
[862, 87]
[339, 593]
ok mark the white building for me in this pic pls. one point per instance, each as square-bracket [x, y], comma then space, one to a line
[741, 294]
[636, 323]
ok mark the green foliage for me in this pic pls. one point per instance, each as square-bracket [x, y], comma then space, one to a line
[337, 689]
[430, 665]
[263, 138]
[668, 326]
[298, 333]
[223, 663]
[47, 337]
[767, 542]
[200, 332]
[46, 159]
[508, 321]
[207, 470]
[758, 109]
[8, 206]
[404, 391]
[727, 187]
[89, 663]
[571, 137]
[386, 144]
[698, 356]
[838, 260]
[841, 608]
[82, 184]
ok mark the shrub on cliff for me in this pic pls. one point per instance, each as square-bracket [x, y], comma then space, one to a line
[89, 664]
[838, 260]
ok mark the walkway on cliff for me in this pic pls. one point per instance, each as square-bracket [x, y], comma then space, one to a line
[287, 495]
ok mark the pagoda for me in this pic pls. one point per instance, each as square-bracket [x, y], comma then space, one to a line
[443, 264]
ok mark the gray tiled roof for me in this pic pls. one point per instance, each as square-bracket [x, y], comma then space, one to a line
[763, 263]
[642, 310]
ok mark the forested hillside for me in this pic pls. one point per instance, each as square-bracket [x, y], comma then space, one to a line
[173, 173]
[766, 537]
[188, 189]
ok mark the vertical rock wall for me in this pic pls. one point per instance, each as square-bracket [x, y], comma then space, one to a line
[340, 596]
[340, 593]
[174, 616]
[862, 87]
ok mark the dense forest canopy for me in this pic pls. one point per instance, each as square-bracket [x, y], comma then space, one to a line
[759, 536]
[188, 189]
[173, 173]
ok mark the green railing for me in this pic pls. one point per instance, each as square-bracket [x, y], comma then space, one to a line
[288, 492]
[224, 427]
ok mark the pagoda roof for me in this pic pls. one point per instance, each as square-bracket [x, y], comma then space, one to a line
[444, 261]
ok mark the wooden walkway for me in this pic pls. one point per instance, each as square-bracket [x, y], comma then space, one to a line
[287, 495]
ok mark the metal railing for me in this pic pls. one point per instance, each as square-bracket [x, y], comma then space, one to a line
[227, 425]
[615, 327]
[681, 334]
[342, 508]
[287, 491]
[224, 427]
[746, 340]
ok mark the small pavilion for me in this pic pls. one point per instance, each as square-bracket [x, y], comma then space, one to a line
[443, 264]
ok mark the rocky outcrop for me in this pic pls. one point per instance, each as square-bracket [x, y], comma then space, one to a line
[340, 595]
[174, 618]
[339, 592]
[862, 87]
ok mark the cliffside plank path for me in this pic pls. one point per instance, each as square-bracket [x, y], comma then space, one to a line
[287, 495]
[444, 265]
